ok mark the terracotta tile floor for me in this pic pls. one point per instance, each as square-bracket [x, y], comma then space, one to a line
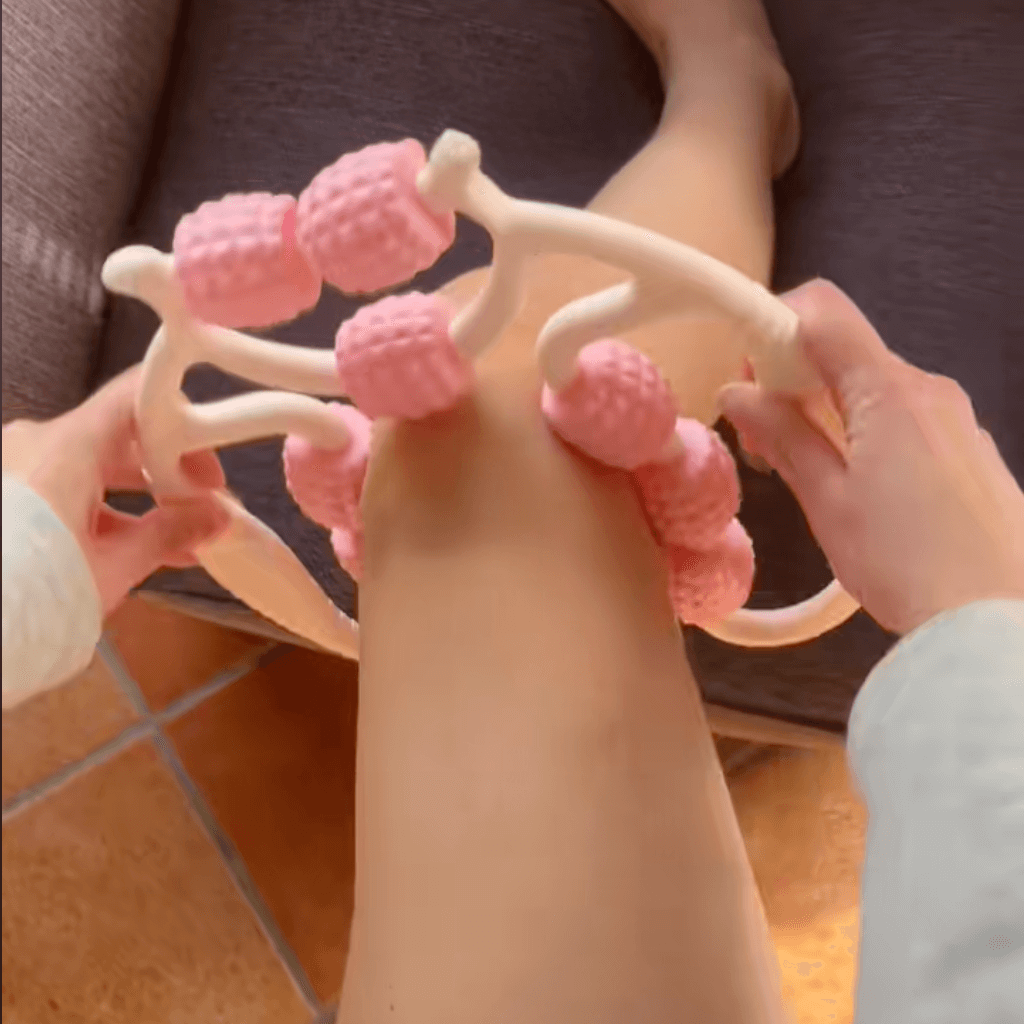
[178, 839]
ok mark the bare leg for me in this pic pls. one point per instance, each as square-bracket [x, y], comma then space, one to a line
[544, 833]
[729, 125]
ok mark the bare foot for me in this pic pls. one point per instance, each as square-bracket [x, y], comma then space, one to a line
[726, 45]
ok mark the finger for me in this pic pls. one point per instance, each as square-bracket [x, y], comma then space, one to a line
[181, 560]
[755, 462]
[118, 391]
[776, 429]
[126, 550]
[106, 422]
[201, 468]
[109, 419]
[118, 447]
[113, 405]
[103, 422]
[124, 472]
[823, 413]
[188, 518]
[109, 520]
[955, 403]
[991, 456]
[840, 343]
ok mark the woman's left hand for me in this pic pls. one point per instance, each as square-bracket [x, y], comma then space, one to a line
[74, 460]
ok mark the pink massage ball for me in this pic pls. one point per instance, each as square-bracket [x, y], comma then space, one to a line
[708, 586]
[396, 358]
[348, 549]
[363, 223]
[617, 409]
[327, 484]
[239, 263]
[691, 497]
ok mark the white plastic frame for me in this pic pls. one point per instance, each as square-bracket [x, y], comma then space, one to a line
[669, 279]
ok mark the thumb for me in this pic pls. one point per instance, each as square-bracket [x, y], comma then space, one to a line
[776, 428]
[839, 341]
[127, 549]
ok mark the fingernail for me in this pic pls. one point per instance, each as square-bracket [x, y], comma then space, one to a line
[726, 394]
[798, 297]
[752, 448]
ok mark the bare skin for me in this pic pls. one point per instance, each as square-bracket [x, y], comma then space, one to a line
[544, 832]
[920, 514]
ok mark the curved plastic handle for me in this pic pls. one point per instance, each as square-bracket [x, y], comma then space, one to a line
[171, 426]
[670, 279]
[795, 624]
[249, 559]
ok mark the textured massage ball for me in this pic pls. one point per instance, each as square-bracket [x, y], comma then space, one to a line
[363, 223]
[239, 264]
[327, 484]
[691, 497]
[617, 409]
[708, 586]
[396, 358]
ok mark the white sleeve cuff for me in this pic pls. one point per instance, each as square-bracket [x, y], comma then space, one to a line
[52, 618]
[936, 742]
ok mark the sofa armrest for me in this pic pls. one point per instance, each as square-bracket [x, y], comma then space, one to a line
[81, 83]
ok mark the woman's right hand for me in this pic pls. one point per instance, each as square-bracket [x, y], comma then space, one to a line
[919, 514]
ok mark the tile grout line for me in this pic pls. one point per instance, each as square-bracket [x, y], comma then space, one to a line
[112, 659]
[149, 727]
[229, 856]
[129, 735]
[147, 721]
[32, 794]
[239, 873]
[221, 681]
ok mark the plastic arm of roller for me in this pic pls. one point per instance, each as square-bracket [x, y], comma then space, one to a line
[668, 279]
[795, 624]
[259, 415]
[169, 425]
[144, 273]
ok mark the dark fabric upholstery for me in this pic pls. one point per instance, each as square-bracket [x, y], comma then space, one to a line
[907, 193]
[81, 80]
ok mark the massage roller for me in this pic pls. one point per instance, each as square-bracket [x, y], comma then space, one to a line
[372, 221]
